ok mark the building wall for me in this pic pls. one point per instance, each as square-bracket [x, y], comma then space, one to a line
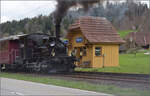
[109, 53]
[73, 39]
[87, 60]
[112, 55]
[109, 57]
[97, 60]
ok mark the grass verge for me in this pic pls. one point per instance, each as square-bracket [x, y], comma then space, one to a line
[80, 85]
[124, 33]
[129, 63]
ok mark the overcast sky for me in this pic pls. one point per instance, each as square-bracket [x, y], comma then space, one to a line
[16, 10]
[21, 9]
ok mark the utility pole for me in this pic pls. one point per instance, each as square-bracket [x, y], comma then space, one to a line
[149, 3]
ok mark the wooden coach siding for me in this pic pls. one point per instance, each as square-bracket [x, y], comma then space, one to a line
[4, 52]
[8, 51]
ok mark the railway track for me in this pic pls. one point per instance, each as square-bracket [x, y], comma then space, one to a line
[98, 76]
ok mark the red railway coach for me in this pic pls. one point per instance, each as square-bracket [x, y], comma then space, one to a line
[9, 50]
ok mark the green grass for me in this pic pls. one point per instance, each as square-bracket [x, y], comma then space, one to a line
[80, 85]
[129, 63]
[123, 33]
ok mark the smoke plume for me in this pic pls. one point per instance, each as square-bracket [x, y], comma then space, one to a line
[62, 8]
[64, 5]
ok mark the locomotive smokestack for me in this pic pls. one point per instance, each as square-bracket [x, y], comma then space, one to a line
[57, 26]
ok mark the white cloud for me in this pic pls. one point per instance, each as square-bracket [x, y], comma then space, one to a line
[16, 10]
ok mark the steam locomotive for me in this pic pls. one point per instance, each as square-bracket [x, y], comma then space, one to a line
[35, 53]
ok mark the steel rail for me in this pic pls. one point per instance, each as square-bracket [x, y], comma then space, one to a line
[133, 78]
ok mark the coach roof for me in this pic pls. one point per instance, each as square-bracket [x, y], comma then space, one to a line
[14, 37]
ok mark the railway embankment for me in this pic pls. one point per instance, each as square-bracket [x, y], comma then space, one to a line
[81, 80]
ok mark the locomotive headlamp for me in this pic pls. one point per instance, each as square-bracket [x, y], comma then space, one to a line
[52, 44]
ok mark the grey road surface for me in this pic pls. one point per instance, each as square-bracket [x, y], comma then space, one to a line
[12, 87]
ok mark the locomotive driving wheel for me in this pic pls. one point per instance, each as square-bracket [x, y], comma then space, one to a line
[37, 67]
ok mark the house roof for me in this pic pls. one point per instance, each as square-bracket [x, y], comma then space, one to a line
[97, 30]
[140, 38]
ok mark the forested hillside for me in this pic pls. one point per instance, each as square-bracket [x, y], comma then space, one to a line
[124, 16]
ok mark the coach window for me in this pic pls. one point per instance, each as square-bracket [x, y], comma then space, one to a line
[98, 51]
